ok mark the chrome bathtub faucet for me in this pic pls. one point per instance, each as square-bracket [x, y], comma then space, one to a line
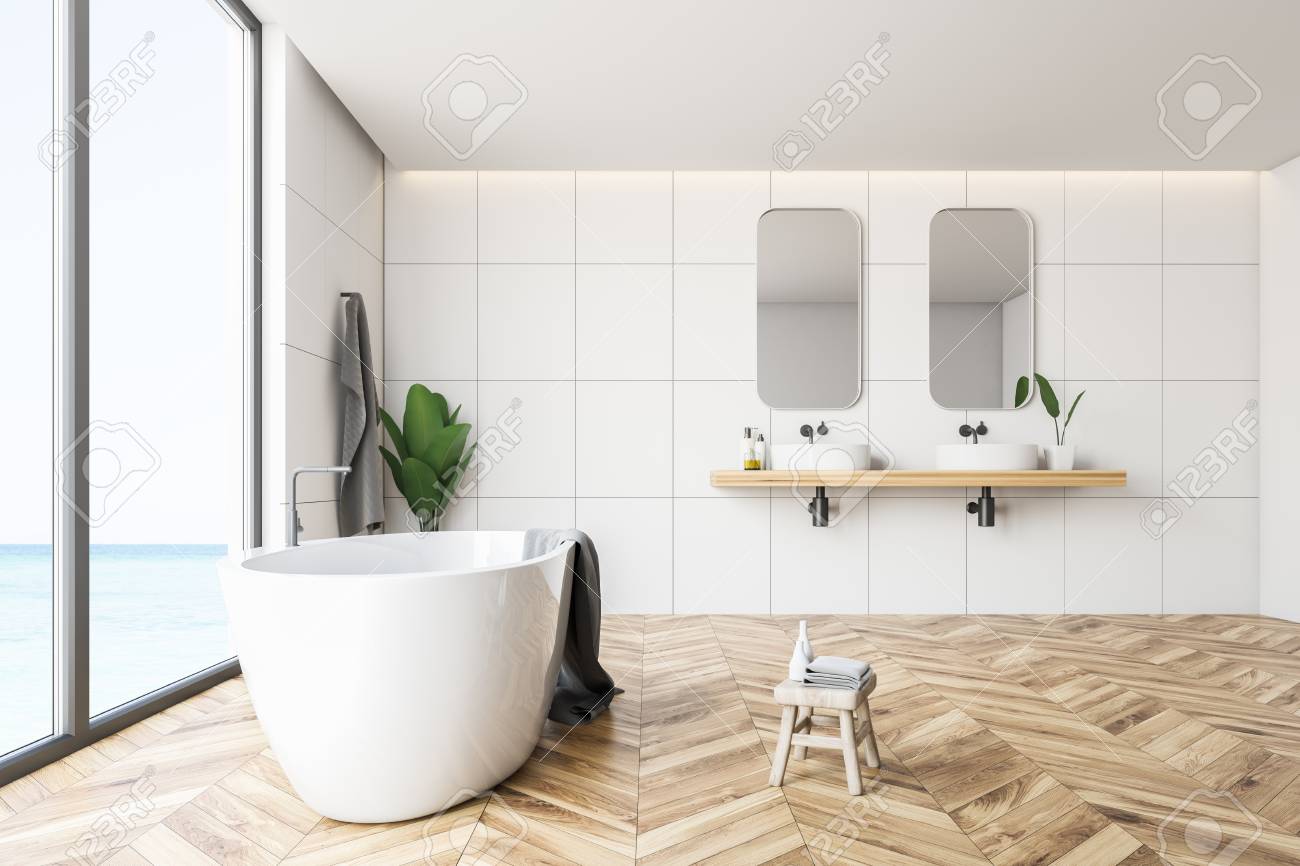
[295, 525]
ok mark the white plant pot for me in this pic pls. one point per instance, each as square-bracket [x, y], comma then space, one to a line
[1059, 458]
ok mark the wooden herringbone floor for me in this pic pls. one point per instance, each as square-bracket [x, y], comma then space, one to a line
[1085, 740]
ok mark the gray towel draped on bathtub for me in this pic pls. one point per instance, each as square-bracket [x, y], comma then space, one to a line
[361, 498]
[584, 689]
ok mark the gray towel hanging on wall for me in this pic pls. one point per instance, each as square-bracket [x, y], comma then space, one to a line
[361, 498]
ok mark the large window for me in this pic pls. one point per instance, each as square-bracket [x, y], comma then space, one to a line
[165, 439]
[27, 352]
[129, 238]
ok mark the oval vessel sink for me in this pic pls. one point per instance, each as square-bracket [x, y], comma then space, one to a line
[989, 456]
[823, 456]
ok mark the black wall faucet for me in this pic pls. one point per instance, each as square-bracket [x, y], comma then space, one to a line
[807, 431]
[966, 431]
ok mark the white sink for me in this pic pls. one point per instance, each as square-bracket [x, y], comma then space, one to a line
[823, 456]
[986, 456]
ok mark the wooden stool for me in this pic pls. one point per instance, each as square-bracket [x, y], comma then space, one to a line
[807, 700]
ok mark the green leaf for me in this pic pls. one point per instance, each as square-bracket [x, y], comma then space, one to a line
[1050, 403]
[450, 479]
[440, 405]
[452, 418]
[469, 456]
[446, 449]
[394, 466]
[1022, 391]
[399, 441]
[421, 487]
[424, 416]
[1070, 414]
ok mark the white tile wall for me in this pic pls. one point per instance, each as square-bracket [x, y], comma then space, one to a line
[430, 216]
[917, 555]
[1112, 564]
[641, 361]
[414, 297]
[1211, 322]
[542, 463]
[526, 217]
[1112, 321]
[625, 439]
[898, 321]
[715, 215]
[526, 512]
[721, 556]
[323, 234]
[1049, 320]
[1117, 424]
[902, 205]
[812, 570]
[1209, 550]
[1018, 565]
[715, 322]
[636, 552]
[1211, 217]
[1112, 217]
[1208, 438]
[526, 321]
[625, 322]
[626, 217]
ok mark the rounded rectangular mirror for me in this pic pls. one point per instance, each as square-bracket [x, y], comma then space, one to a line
[981, 308]
[809, 308]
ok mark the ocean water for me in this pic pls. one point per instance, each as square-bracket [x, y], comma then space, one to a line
[156, 615]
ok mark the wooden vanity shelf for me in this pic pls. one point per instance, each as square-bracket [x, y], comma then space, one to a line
[919, 478]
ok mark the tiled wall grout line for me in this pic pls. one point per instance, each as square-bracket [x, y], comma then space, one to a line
[1065, 375]
[1161, 540]
[576, 395]
[478, 388]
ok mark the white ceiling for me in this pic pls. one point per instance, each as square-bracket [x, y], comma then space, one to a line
[687, 84]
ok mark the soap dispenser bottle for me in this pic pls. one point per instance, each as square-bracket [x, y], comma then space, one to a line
[761, 448]
[802, 654]
[748, 453]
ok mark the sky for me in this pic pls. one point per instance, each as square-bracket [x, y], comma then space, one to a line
[164, 334]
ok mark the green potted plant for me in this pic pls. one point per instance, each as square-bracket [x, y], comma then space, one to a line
[431, 454]
[1059, 456]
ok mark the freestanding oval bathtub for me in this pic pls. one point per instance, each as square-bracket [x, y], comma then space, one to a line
[398, 675]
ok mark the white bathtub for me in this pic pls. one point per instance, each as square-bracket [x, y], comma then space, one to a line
[397, 675]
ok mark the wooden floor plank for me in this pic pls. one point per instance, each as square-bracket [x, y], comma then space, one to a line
[1075, 740]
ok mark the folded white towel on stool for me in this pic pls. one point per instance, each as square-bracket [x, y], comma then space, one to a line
[837, 673]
